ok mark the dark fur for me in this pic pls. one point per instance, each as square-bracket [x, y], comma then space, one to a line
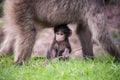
[21, 17]
[63, 28]
[57, 49]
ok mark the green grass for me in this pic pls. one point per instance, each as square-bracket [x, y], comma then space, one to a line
[101, 68]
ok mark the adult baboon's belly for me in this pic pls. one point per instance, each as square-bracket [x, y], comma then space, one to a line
[56, 18]
[57, 13]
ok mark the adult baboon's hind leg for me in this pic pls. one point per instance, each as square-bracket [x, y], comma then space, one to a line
[107, 43]
[100, 32]
[84, 35]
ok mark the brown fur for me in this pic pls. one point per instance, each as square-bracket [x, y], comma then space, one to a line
[21, 17]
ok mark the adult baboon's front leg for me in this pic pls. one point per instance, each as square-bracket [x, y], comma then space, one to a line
[24, 45]
[6, 46]
[25, 40]
[84, 35]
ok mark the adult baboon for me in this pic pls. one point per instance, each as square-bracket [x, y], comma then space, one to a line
[21, 16]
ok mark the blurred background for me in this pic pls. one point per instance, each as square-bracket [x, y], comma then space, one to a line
[45, 37]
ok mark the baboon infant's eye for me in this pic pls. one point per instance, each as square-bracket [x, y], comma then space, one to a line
[59, 33]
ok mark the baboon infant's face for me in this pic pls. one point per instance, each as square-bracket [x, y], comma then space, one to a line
[60, 36]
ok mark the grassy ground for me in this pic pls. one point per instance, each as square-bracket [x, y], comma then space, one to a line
[101, 68]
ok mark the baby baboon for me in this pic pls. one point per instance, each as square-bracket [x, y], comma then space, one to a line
[21, 16]
[60, 47]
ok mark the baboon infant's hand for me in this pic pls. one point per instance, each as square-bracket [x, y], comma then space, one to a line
[66, 53]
